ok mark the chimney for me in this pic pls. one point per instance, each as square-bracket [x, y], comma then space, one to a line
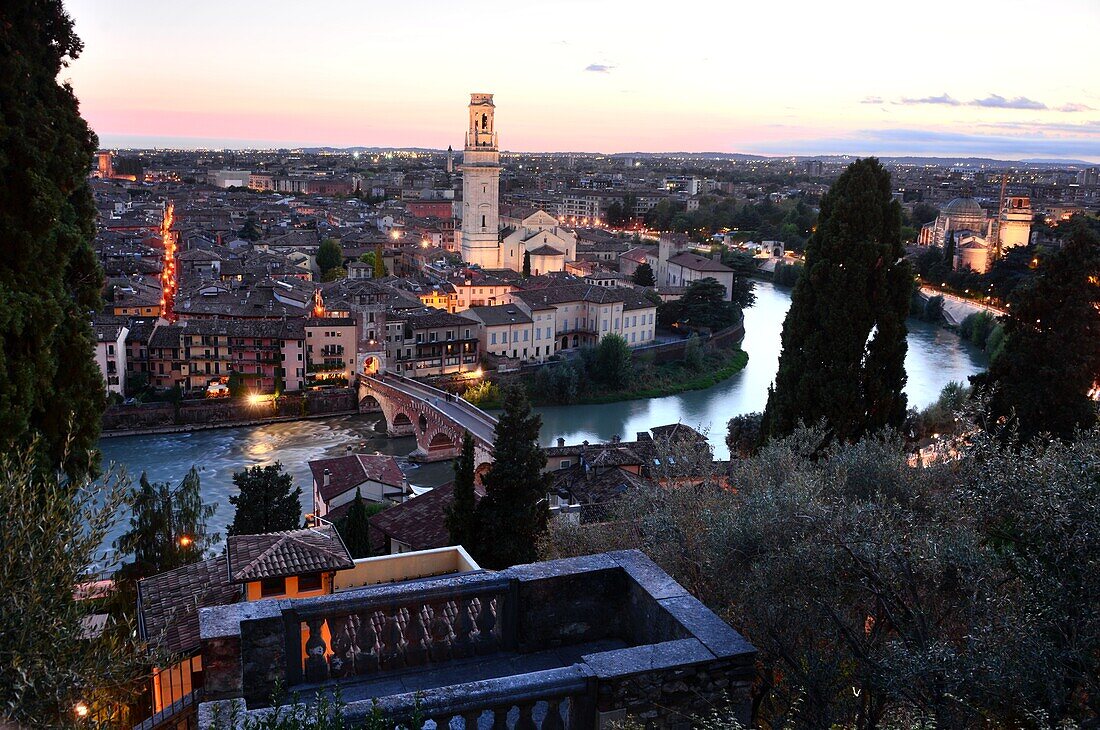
[561, 442]
[327, 480]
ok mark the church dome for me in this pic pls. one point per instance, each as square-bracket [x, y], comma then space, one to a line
[962, 208]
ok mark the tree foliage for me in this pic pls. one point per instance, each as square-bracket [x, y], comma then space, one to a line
[250, 231]
[1050, 361]
[50, 280]
[513, 513]
[643, 275]
[167, 528]
[879, 595]
[843, 357]
[330, 256]
[702, 306]
[268, 501]
[354, 527]
[611, 364]
[462, 514]
[53, 541]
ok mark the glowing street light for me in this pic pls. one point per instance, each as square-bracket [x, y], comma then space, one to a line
[80, 710]
[185, 541]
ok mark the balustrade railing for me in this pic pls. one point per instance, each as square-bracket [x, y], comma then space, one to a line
[556, 699]
[370, 637]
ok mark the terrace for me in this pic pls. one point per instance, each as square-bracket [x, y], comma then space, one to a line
[574, 643]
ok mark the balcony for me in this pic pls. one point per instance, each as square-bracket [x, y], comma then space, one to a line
[573, 643]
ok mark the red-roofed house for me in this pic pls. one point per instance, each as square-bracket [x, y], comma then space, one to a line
[335, 481]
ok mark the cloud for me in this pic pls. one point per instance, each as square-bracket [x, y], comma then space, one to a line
[871, 100]
[923, 142]
[1072, 107]
[599, 68]
[993, 101]
[996, 101]
[941, 99]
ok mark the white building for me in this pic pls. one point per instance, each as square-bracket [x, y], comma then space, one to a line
[110, 355]
[551, 247]
[480, 187]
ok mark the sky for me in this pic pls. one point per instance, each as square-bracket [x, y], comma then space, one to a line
[991, 78]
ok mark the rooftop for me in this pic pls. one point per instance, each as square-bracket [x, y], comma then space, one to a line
[281, 554]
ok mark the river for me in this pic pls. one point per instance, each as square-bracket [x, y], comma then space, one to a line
[935, 357]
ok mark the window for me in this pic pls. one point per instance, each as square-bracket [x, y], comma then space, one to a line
[563, 464]
[272, 587]
[309, 582]
[493, 338]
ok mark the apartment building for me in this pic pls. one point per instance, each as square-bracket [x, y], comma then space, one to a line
[575, 315]
[429, 342]
[331, 349]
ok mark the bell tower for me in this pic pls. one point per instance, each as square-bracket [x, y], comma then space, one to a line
[480, 186]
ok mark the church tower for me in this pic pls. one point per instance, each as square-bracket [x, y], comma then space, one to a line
[480, 184]
[450, 160]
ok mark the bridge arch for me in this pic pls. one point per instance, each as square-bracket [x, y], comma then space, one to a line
[440, 440]
[436, 418]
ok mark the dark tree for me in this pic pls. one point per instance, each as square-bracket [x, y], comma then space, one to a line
[250, 231]
[703, 306]
[843, 357]
[526, 264]
[354, 527]
[615, 213]
[330, 256]
[50, 281]
[167, 528]
[743, 434]
[268, 501]
[612, 366]
[1051, 357]
[513, 513]
[462, 514]
[643, 275]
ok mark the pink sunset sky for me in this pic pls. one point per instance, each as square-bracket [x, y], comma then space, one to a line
[994, 78]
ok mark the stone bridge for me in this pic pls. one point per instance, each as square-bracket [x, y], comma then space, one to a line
[437, 418]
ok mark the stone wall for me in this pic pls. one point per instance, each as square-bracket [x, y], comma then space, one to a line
[224, 411]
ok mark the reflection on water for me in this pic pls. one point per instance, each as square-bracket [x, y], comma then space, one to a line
[935, 357]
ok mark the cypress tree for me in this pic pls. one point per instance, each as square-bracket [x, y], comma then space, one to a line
[1051, 357]
[354, 528]
[843, 356]
[268, 501]
[513, 513]
[526, 264]
[461, 515]
[50, 280]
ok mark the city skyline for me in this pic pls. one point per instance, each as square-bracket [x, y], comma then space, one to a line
[593, 79]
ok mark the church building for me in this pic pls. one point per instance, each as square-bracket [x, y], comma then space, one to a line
[538, 237]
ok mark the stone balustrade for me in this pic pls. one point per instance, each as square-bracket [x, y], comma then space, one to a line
[572, 643]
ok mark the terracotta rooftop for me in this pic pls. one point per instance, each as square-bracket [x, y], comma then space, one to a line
[279, 554]
[419, 522]
[169, 603]
[348, 472]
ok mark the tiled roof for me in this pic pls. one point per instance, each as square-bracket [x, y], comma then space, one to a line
[348, 472]
[169, 603]
[421, 521]
[279, 554]
[503, 314]
[545, 250]
[698, 263]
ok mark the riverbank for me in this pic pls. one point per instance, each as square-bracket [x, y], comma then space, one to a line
[651, 380]
[189, 427]
[677, 377]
